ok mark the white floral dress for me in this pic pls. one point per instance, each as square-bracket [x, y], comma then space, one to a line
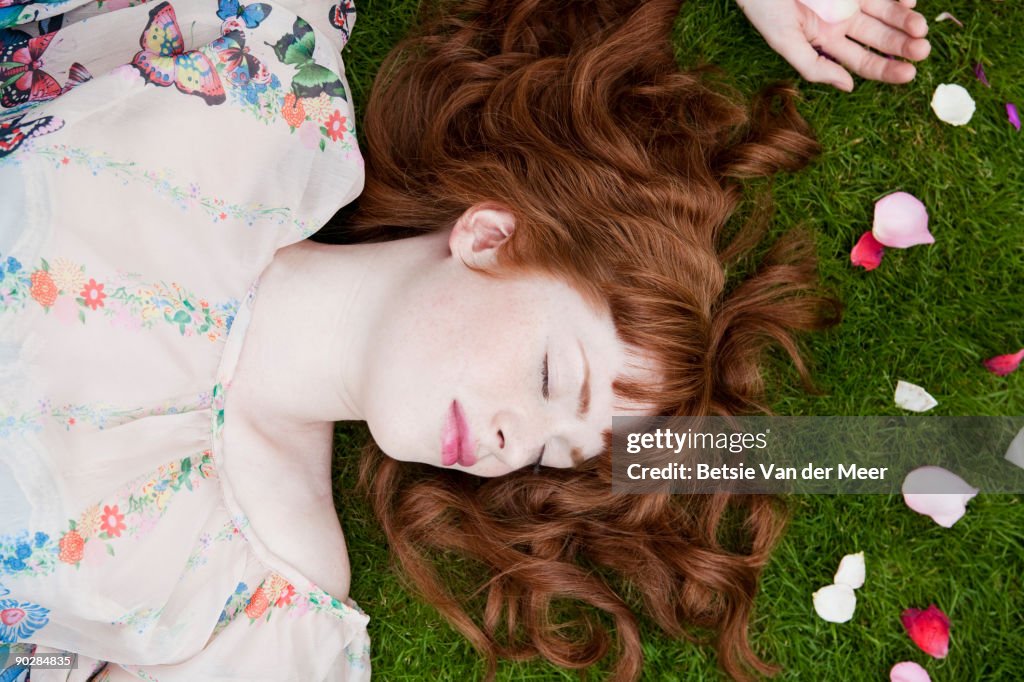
[153, 157]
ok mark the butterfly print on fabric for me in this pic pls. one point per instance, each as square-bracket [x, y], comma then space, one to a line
[22, 78]
[296, 49]
[163, 60]
[49, 24]
[252, 14]
[241, 65]
[342, 15]
[14, 132]
[77, 75]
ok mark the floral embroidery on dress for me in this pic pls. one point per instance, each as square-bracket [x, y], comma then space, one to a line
[183, 195]
[96, 415]
[276, 594]
[273, 593]
[142, 619]
[19, 619]
[360, 658]
[228, 532]
[68, 291]
[235, 603]
[23, 553]
[135, 511]
[219, 398]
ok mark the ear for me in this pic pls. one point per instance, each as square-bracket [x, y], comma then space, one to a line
[479, 232]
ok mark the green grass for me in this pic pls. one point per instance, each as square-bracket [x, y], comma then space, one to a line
[929, 315]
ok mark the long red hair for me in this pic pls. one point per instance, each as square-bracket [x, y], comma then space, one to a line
[623, 172]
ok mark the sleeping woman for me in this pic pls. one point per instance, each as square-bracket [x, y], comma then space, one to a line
[541, 244]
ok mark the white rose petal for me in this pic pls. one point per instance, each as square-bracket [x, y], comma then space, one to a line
[946, 507]
[914, 398]
[851, 571]
[835, 603]
[953, 104]
[1015, 453]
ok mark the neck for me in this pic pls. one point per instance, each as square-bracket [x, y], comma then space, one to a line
[314, 318]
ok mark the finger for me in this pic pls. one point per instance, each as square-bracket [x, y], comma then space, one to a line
[811, 65]
[899, 15]
[873, 33]
[867, 64]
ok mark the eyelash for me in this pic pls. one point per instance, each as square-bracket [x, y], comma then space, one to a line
[544, 392]
[544, 378]
[536, 465]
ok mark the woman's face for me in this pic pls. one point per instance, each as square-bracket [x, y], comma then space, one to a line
[483, 375]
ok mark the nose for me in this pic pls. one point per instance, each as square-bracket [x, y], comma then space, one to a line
[516, 439]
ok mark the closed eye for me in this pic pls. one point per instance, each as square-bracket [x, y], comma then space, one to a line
[544, 377]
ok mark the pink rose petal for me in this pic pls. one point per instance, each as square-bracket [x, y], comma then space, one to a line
[937, 493]
[1001, 365]
[908, 671]
[1011, 113]
[947, 15]
[901, 220]
[979, 73]
[868, 252]
[929, 629]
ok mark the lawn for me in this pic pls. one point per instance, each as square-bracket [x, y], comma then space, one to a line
[928, 315]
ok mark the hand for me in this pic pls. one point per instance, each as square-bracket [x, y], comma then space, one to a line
[890, 26]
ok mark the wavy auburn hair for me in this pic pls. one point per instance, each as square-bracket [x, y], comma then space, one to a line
[622, 172]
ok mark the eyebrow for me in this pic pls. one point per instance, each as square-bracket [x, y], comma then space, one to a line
[584, 404]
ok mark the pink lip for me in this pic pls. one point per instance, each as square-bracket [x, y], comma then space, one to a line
[456, 439]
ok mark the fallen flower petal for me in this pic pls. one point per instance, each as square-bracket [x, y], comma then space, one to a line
[947, 15]
[868, 251]
[908, 671]
[851, 571]
[1011, 113]
[833, 11]
[901, 220]
[937, 493]
[929, 629]
[1015, 453]
[1001, 365]
[979, 73]
[835, 603]
[912, 397]
[953, 104]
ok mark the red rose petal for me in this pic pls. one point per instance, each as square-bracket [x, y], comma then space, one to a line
[1001, 365]
[868, 252]
[929, 629]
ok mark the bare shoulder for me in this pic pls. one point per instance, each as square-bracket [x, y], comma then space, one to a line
[283, 486]
[324, 560]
